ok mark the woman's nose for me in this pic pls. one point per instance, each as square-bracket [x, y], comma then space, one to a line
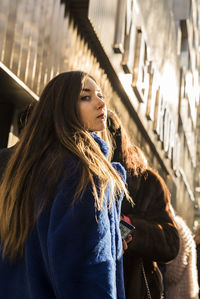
[100, 102]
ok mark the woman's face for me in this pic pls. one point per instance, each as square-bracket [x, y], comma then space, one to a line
[92, 107]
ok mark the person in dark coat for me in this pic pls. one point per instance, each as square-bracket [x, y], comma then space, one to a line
[5, 153]
[155, 238]
[61, 200]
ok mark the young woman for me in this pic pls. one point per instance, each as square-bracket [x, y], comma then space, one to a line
[181, 274]
[155, 238]
[60, 200]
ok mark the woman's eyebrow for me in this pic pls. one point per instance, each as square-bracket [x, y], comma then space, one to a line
[85, 89]
[89, 90]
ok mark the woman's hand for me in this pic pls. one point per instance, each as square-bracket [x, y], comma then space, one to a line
[125, 243]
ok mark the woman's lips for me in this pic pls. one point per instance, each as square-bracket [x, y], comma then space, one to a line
[102, 116]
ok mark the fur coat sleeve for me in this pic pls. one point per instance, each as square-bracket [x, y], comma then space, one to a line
[181, 273]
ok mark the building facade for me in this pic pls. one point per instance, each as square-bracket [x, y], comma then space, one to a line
[144, 54]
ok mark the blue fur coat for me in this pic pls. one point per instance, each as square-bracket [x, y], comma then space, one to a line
[74, 252]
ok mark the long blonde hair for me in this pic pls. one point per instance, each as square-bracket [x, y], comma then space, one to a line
[53, 134]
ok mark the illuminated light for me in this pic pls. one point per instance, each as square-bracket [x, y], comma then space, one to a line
[169, 87]
[12, 139]
[136, 7]
[18, 81]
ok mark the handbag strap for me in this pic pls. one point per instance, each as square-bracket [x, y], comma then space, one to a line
[146, 282]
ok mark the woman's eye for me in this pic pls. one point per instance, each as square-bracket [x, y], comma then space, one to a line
[85, 98]
[101, 96]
